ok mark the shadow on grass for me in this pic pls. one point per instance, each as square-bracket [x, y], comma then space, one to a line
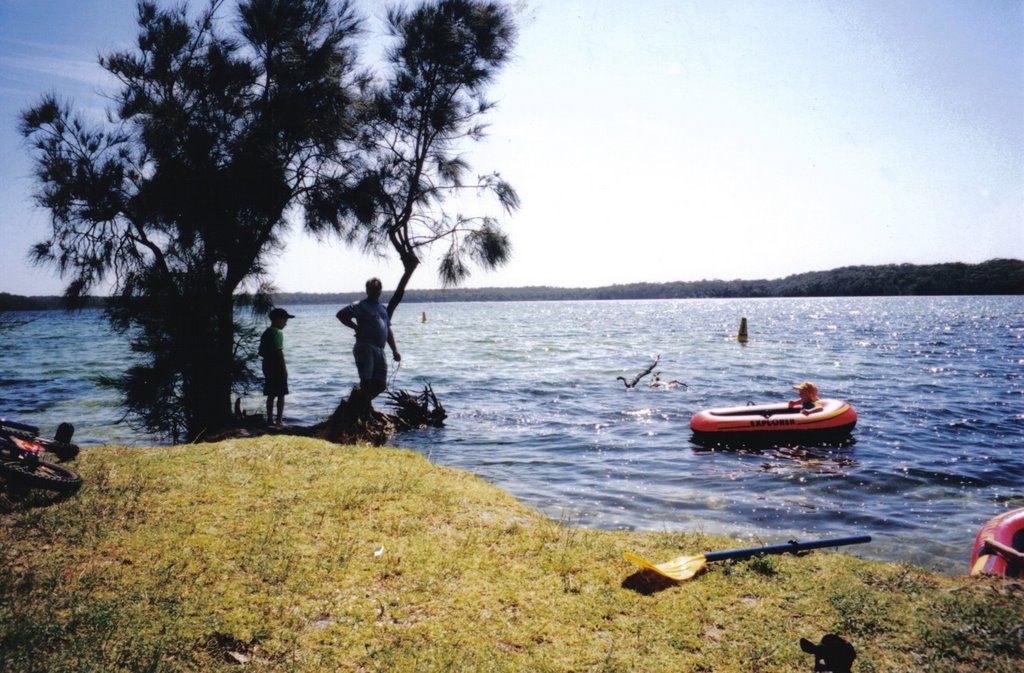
[17, 498]
[648, 583]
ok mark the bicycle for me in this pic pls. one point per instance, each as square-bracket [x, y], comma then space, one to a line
[21, 462]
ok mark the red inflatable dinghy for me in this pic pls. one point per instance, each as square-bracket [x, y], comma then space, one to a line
[834, 419]
[999, 546]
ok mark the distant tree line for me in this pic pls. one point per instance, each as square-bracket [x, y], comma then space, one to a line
[996, 276]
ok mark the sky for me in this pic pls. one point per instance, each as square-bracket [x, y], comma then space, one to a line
[660, 140]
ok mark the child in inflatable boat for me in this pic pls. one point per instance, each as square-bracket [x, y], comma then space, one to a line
[808, 401]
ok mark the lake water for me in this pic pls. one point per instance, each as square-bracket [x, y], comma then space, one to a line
[534, 407]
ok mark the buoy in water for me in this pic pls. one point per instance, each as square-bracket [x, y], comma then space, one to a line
[742, 336]
[423, 317]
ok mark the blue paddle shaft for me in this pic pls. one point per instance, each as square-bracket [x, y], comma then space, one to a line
[789, 547]
[15, 425]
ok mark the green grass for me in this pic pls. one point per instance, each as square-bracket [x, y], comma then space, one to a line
[290, 554]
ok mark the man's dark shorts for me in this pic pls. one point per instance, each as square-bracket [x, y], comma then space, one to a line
[275, 380]
[370, 362]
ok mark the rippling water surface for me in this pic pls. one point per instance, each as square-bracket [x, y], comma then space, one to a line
[534, 407]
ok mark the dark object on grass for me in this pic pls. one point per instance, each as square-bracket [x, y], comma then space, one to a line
[21, 462]
[832, 654]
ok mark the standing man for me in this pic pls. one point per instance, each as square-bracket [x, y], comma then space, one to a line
[369, 318]
[275, 373]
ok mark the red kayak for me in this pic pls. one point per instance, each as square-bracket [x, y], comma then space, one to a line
[835, 419]
[999, 546]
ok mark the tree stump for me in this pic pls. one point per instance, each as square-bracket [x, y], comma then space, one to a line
[354, 421]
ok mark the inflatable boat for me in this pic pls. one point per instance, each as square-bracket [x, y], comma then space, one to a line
[833, 420]
[999, 546]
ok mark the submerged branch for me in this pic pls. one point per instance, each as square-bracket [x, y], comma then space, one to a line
[636, 379]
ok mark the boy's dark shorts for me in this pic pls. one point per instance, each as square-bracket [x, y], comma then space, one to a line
[275, 381]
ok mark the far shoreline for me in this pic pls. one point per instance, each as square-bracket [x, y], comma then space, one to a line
[993, 277]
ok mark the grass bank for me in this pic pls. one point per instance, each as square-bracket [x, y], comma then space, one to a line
[289, 554]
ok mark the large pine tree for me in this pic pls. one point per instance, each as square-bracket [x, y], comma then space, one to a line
[222, 124]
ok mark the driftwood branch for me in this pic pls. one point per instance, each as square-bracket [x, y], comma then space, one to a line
[656, 382]
[636, 379]
[420, 411]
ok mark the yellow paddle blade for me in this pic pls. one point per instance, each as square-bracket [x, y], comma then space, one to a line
[680, 569]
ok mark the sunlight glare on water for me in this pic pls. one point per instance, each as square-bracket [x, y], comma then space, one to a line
[535, 407]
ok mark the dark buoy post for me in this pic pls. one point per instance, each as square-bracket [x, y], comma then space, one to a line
[742, 336]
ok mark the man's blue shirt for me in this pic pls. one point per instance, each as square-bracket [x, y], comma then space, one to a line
[372, 322]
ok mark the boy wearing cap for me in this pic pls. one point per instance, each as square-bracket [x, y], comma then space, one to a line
[275, 373]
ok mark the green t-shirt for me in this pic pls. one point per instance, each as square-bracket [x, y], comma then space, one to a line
[271, 342]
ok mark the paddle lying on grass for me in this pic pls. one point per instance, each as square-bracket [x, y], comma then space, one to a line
[685, 567]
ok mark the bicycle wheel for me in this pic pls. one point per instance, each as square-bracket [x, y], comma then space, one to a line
[44, 475]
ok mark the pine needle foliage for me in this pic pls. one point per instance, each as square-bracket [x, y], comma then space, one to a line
[222, 124]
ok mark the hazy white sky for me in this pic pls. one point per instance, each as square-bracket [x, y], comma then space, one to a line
[663, 140]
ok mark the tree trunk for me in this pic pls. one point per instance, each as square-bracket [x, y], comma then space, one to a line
[409, 264]
[207, 393]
